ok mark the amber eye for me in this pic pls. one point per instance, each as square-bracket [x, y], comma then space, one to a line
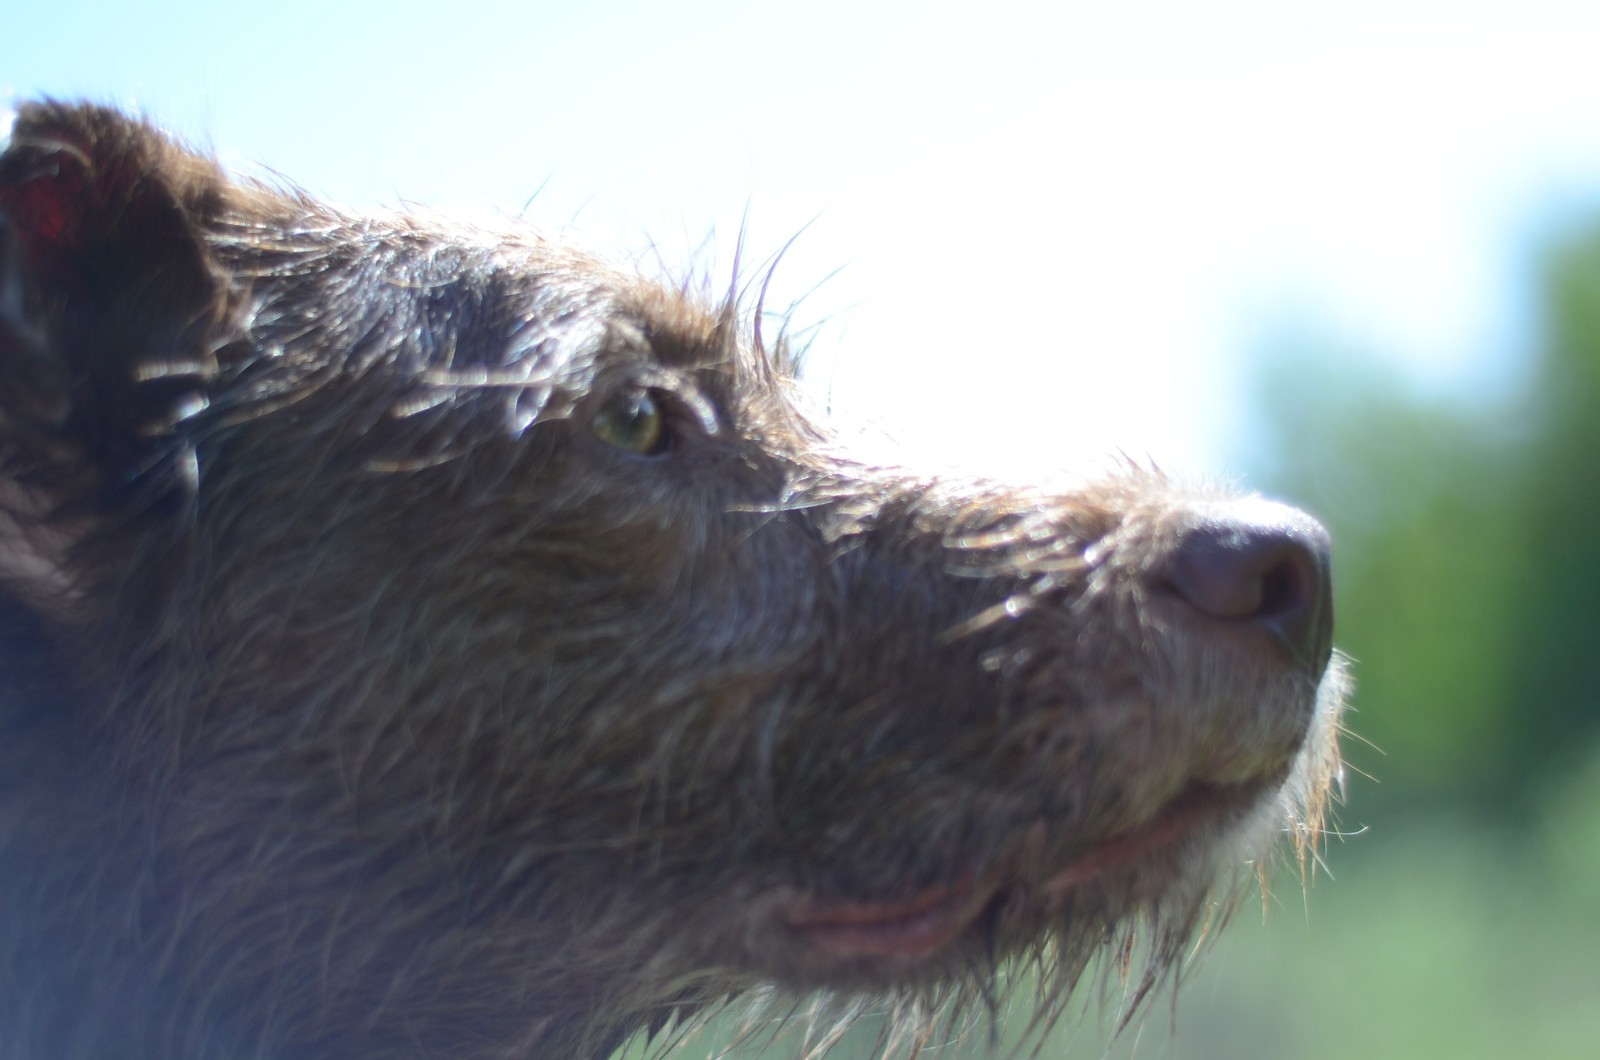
[632, 421]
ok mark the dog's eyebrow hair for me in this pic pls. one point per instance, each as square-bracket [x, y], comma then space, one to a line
[680, 333]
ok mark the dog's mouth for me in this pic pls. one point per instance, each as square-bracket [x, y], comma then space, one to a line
[902, 931]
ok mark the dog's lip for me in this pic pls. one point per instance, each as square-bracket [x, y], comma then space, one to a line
[1194, 808]
[904, 929]
[898, 928]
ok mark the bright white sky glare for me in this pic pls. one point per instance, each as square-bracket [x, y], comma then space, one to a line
[1033, 232]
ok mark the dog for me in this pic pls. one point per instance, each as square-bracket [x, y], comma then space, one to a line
[426, 640]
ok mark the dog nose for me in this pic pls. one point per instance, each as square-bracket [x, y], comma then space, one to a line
[1262, 565]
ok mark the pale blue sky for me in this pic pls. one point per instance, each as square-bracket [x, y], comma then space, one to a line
[1074, 219]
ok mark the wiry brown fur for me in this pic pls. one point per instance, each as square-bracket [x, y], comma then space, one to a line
[360, 701]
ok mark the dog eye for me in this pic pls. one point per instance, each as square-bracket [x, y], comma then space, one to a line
[633, 422]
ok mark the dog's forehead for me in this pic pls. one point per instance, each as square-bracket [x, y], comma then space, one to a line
[439, 293]
[536, 278]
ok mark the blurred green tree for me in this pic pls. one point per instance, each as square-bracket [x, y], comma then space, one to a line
[1467, 551]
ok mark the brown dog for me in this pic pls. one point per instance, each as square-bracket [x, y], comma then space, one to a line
[423, 641]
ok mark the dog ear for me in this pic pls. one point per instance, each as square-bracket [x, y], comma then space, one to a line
[111, 305]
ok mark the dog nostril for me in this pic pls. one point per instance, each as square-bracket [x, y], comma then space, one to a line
[1261, 564]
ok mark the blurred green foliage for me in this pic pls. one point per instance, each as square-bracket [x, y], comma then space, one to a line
[1464, 917]
[1467, 566]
